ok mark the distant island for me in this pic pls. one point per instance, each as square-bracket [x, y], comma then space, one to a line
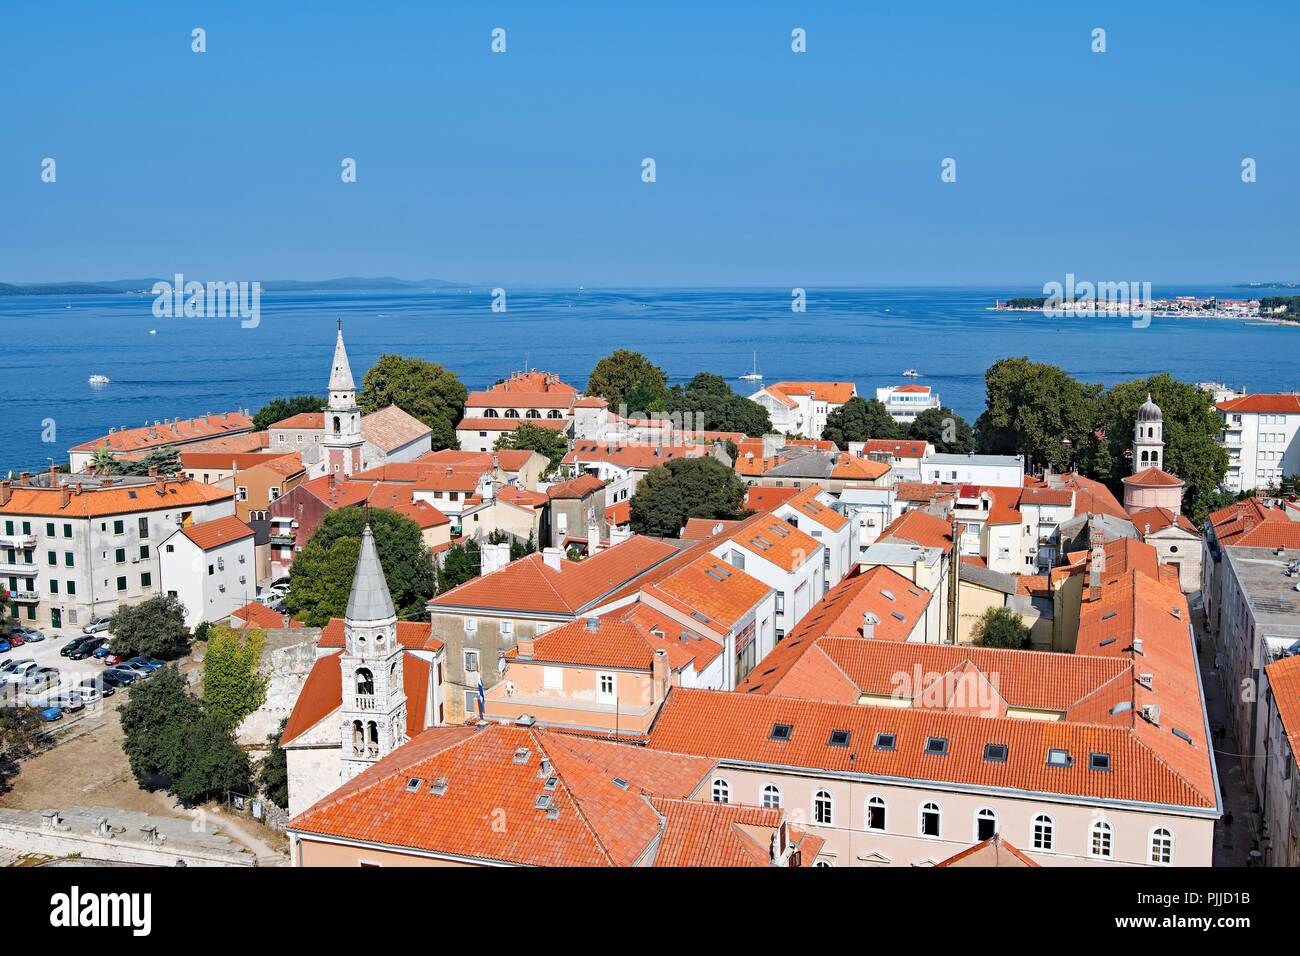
[1276, 308]
[126, 286]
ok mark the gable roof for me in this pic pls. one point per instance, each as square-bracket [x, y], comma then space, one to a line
[218, 532]
[129, 440]
[390, 428]
[1285, 403]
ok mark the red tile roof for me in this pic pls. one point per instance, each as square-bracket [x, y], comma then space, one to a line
[321, 695]
[1091, 496]
[904, 448]
[623, 639]
[218, 532]
[710, 588]
[698, 529]
[529, 584]
[994, 851]
[129, 440]
[303, 421]
[777, 541]
[415, 635]
[710, 834]
[254, 614]
[116, 499]
[919, 527]
[1286, 403]
[579, 487]
[635, 457]
[1253, 523]
[834, 393]
[1284, 681]
[1152, 476]
[1157, 519]
[765, 499]
[619, 514]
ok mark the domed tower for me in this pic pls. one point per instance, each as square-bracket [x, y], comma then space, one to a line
[1150, 486]
[374, 703]
[1148, 437]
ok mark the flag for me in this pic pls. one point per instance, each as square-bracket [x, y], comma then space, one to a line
[482, 701]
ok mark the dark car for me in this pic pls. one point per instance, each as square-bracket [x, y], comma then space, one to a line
[85, 648]
[69, 648]
[115, 678]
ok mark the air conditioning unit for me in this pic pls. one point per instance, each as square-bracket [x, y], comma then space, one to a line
[221, 564]
[221, 587]
[243, 579]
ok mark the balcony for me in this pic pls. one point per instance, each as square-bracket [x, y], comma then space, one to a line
[20, 568]
[25, 597]
[20, 542]
[284, 540]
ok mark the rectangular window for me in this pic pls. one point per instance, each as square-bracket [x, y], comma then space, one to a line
[144, 551]
[119, 555]
[67, 531]
[146, 580]
[54, 586]
[144, 527]
[68, 559]
[49, 530]
[51, 558]
[119, 527]
[121, 584]
[780, 602]
[72, 589]
[553, 678]
[471, 703]
[605, 686]
[471, 662]
[241, 493]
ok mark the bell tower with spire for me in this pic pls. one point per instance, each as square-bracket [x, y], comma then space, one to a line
[373, 717]
[343, 439]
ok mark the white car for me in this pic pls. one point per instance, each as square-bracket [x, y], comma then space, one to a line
[97, 625]
[14, 672]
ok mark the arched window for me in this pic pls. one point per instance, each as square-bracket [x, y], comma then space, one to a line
[365, 682]
[372, 749]
[532, 413]
[986, 824]
[721, 791]
[1044, 835]
[875, 813]
[1099, 840]
[823, 808]
[554, 413]
[931, 820]
[337, 426]
[771, 797]
[491, 413]
[1162, 847]
[358, 739]
[511, 413]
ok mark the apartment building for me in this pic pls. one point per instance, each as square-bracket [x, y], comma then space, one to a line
[134, 443]
[905, 402]
[813, 511]
[210, 568]
[73, 547]
[1260, 436]
[800, 408]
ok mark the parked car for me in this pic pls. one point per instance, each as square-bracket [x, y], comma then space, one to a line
[51, 713]
[15, 671]
[94, 689]
[112, 677]
[101, 652]
[153, 663]
[112, 658]
[30, 634]
[73, 645]
[85, 648]
[14, 663]
[5, 645]
[15, 639]
[97, 625]
[136, 666]
[39, 679]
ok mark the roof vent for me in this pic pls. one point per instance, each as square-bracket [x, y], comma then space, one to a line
[438, 787]
[1146, 680]
[1151, 714]
[593, 623]
[1137, 645]
[522, 755]
[525, 720]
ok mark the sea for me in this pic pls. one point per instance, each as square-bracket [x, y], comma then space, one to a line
[181, 367]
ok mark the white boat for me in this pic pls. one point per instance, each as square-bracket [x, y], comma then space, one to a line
[911, 373]
[153, 331]
[99, 380]
[754, 376]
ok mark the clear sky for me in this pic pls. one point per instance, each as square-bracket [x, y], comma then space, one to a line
[773, 168]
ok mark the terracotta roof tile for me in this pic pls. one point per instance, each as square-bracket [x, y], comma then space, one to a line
[218, 532]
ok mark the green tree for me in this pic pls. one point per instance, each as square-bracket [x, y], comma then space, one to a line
[273, 771]
[153, 628]
[278, 409]
[620, 372]
[1001, 627]
[104, 461]
[544, 441]
[424, 390]
[945, 429]
[213, 765]
[20, 733]
[720, 408]
[686, 488]
[518, 549]
[459, 564]
[646, 398]
[153, 720]
[1191, 433]
[321, 575]
[233, 686]
[166, 461]
[1037, 411]
[859, 419]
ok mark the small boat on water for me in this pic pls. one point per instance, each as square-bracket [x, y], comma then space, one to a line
[99, 380]
[153, 331]
[754, 376]
[911, 373]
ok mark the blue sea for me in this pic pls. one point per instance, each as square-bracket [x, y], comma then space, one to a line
[52, 344]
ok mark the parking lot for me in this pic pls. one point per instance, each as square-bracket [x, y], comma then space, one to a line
[46, 654]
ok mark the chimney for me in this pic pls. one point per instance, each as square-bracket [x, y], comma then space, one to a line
[593, 623]
[65, 495]
[552, 557]
[525, 647]
[1098, 566]
[76, 489]
[869, 622]
[24, 477]
[54, 473]
[6, 492]
[619, 535]
[493, 557]
[159, 482]
[660, 675]
[593, 538]
[1137, 645]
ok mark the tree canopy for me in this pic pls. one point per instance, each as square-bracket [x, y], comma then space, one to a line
[859, 419]
[720, 408]
[544, 441]
[172, 742]
[1036, 410]
[273, 771]
[686, 488]
[947, 431]
[459, 564]
[1001, 627]
[233, 686]
[154, 627]
[278, 409]
[617, 374]
[424, 390]
[321, 574]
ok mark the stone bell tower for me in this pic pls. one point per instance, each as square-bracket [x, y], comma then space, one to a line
[343, 438]
[373, 717]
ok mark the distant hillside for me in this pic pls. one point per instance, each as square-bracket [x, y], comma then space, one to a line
[349, 284]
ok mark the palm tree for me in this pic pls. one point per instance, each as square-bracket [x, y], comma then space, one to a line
[104, 462]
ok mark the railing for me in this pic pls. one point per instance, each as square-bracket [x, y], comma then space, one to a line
[18, 567]
[25, 597]
[366, 702]
[22, 542]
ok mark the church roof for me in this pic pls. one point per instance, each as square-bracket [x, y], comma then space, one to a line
[341, 372]
[1149, 411]
[1152, 476]
[369, 600]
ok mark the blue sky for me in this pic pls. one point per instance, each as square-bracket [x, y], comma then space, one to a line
[773, 168]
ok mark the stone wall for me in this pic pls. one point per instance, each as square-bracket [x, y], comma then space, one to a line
[118, 836]
[287, 659]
